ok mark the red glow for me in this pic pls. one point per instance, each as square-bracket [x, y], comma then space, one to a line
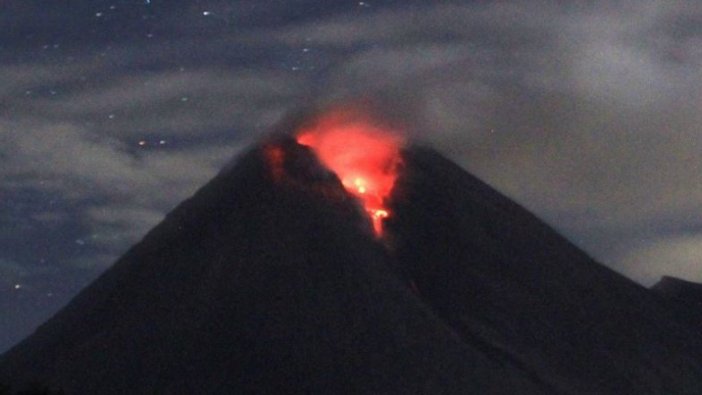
[275, 158]
[363, 156]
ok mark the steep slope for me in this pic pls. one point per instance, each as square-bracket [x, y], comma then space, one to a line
[510, 284]
[268, 280]
[272, 279]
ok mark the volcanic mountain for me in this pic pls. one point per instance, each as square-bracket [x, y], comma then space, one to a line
[282, 276]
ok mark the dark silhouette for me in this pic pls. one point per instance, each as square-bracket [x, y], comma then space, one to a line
[274, 282]
[36, 390]
[685, 298]
[40, 391]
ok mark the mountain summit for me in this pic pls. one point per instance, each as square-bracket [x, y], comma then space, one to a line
[285, 274]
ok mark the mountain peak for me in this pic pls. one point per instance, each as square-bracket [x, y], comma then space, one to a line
[272, 279]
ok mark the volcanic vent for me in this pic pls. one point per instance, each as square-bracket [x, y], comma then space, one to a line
[364, 156]
[271, 279]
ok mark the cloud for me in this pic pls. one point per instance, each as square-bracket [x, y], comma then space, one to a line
[11, 272]
[80, 165]
[588, 114]
[679, 256]
[598, 105]
[120, 148]
[48, 148]
[23, 79]
[124, 223]
[167, 103]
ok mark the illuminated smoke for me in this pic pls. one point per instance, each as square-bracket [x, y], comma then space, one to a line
[364, 156]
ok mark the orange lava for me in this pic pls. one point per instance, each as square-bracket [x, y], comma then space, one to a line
[363, 156]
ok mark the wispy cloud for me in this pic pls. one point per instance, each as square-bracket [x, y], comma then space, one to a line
[675, 255]
[586, 113]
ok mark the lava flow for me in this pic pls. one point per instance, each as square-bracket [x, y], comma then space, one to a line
[363, 156]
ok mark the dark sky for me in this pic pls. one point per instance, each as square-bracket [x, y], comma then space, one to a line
[112, 112]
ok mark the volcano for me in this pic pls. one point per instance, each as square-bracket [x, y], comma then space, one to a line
[278, 277]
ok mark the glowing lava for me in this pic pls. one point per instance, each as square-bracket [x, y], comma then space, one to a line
[363, 156]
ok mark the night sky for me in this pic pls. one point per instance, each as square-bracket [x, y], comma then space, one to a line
[112, 112]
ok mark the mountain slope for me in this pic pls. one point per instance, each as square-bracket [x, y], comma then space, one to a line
[498, 274]
[257, 286]
[271, 280]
